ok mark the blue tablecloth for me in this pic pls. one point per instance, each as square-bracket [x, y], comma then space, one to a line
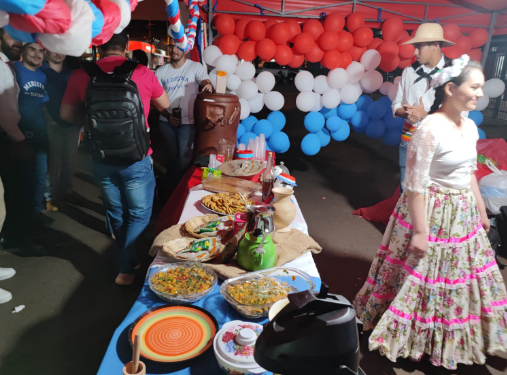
[119, 351]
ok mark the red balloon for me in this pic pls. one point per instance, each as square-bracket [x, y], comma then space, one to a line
[314, 28]
[297, 60]
[388, 50]
[280, 33]
[216, 41]
[256, 30]
[392, 28]
[294, 27]
[240, 31]
[346, 60]
[404, 63]
[332, 59]
[389, 65]
[315, 54]
[247, 50]
[357, 52]
[453, 52]
[345, 41]
[328, 40]
[229, 44]
[283, 55]
[355, 21]
[270, 23]
[451, 32]
[112, 18]
[403, 35]
[225, 24]
[266, 49]
[475, 54]
[479, 37]
[464, 43]
[334, 22]
[363, 36]
[268, 31]
[406, 50]
[375, 43]
[303, 43]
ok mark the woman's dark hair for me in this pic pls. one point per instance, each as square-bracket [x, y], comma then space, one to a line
[140, 56]
[457, 81]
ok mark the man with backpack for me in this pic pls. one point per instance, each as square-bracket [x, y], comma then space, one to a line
[111, 99]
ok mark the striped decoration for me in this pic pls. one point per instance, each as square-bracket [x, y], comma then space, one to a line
[185, 39]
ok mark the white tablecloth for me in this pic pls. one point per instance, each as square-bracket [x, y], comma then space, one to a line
[194, 208]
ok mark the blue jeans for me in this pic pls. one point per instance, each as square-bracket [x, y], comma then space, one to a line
[179, 142]
[127, 194]
[403, 161]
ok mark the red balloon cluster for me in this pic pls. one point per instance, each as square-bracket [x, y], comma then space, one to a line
[291, 43]
[392, 51]
[465, 44]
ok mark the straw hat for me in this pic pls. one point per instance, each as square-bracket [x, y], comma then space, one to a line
[430, 32]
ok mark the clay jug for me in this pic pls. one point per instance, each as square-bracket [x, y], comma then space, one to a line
[285, 210]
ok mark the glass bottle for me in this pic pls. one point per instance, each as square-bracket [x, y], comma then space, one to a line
[268, 178]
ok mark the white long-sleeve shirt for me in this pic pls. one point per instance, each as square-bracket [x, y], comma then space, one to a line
[9, 110]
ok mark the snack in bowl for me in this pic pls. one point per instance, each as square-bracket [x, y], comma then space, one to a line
[226, 203]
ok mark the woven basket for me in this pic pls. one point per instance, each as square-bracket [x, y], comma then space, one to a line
[194, 223]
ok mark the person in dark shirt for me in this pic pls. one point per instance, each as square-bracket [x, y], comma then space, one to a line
[63, 135]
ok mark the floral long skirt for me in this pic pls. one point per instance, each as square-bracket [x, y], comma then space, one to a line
[452, 307]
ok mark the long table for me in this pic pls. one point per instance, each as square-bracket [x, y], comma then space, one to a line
[119, 351]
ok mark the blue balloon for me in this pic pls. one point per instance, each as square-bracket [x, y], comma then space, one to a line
[392, 137]
[30, 7]
[342, 133]
[98, 23]
[310, 145]
[346, 111]
[334, 123]
[285, 150]
[363, 102]
[267, 147]
[375, 129]
[246, 137]
[324, 137]
[241, 131]
[392, 123]
[263, 127]
[249, 122]
[476, 116]
[482, 135]
[21, 36]
[314, 121]
[329, 112]
[278, 120]
[278, 142]
[359, 120]
[376, 110]
[386, 102]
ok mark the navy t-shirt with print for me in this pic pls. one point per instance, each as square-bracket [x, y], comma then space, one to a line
[56, 86]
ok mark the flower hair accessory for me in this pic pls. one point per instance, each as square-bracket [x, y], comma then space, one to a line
[450, 72]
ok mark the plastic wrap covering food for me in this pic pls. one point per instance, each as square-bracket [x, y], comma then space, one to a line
[224, 184]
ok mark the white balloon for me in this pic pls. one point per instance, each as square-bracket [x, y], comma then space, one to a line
[350, 93]
[256, 103]
[125, 14]
[493, 87]
[318, 103]
[211, 53]
[274, 100]
[247, 90]
[482, 103]
[372, 80]
[305, 100]
[236, 60]
[371, 59]
[4, 18]
[393, 90]
[397, 80]
[358, 86]
[213, 77]
[233, 82]
[226, 63]
[304, 81]
[231, 92]
[265, 82]
[254, 80]
[384, 89]
[320, 85]
[331, 98]
[337, 78]
[355, 71]
[245, 108]
[245, 71]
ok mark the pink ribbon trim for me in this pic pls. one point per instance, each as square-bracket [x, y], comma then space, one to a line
[433, 318]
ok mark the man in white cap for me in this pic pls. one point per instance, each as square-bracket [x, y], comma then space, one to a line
[415, 96]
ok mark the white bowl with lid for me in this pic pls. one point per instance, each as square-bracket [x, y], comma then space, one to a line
[234, 347]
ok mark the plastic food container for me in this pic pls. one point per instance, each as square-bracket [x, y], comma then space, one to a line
[234, 347]
[294, 279]
[187, 298]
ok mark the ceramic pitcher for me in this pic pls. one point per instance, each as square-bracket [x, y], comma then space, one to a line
[285, 210]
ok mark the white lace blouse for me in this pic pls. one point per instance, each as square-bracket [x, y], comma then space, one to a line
[441, 155]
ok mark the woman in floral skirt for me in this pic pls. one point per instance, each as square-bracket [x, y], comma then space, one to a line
[434, 288]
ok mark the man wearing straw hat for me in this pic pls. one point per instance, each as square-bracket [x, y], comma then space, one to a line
[415, 96]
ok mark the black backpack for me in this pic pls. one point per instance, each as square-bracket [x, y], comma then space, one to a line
[115, 128]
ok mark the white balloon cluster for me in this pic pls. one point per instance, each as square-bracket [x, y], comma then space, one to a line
[493, 88]
[340, 85]
[253, 93]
